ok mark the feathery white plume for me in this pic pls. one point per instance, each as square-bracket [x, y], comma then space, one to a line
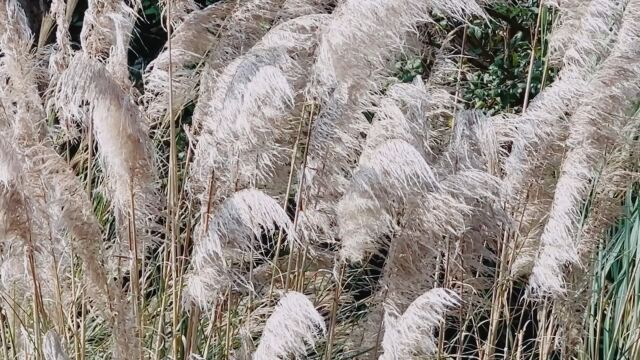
[56, 198]
[234, 231]
[394, 181]
[611, 96]
[410, 335]
[247, 24]
[62, 52]
[88, 93]
[410, 112]
[544, 123]
[397, 164]
[180, 9]
[190, 43]
[292, 9]
[20, 73]
[106, 33]
[294, 326]
[253, 108]
[348, 53]
[335, 145]
[52, 348]
[250, 110]
[10, 166]
[350, 67]
[362, 224]
[563, 36]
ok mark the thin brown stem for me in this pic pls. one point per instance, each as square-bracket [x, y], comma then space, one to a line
[134, 269]
[294, 153]
[334, 313]
[299, 197]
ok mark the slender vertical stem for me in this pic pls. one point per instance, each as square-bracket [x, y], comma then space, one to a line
[211, 330]
[299, 197]
[192, 330]
[83, 335]
[90, 159]
[228, 330]
[134, 269]
[172, 194]
[460, 67]
[12, 326]
[497, 296]
[334, 311]
[89, 195]
[387, 271]
[294, 153]
[58, 294]
[74, 321]
[36, 305]
[527, 91]
[461, 62]
[545, 69]
[301, 277]
[376, 348]
[447, 271]
[5, 352]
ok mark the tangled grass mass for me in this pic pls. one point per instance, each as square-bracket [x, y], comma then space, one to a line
[319, 179]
